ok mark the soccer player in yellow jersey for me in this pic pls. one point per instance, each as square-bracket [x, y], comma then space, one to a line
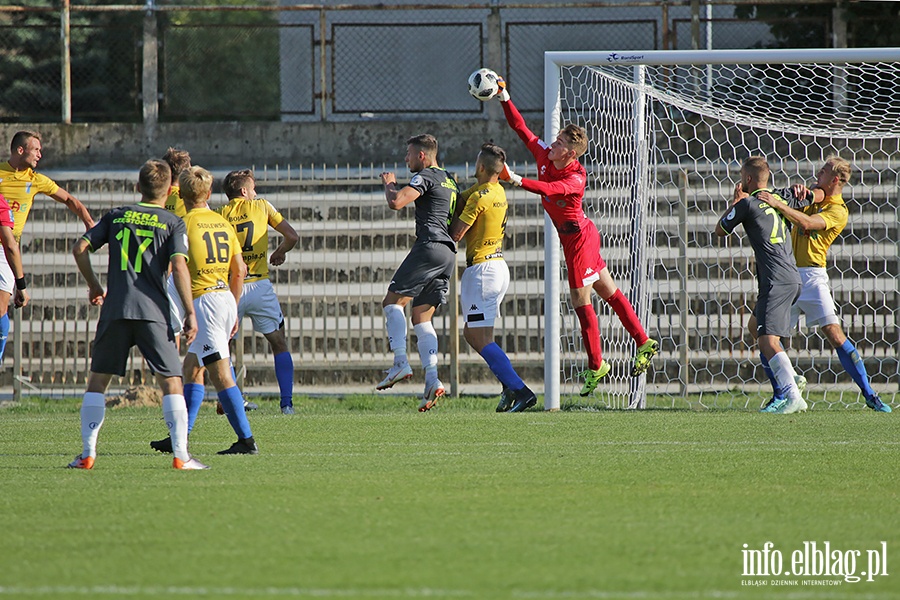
[19, 184]
[217, 278]
[251, 218]
[480, 218]
[178, 160]
[816, 228]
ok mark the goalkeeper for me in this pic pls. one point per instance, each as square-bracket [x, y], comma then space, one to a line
[561, 183]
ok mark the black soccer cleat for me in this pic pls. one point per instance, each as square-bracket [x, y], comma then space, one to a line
[164, 446]
[242, 446]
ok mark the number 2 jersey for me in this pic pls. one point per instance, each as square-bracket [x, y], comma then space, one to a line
[251, 220]
[769, 233]
[211, 244]
[142, 240]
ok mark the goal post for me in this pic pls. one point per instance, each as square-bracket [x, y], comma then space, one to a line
[667, 131]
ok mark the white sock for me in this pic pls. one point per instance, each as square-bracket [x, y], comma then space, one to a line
[428, 347]
[176, 415]
[784, 374]
[395, 320]
[93, 410]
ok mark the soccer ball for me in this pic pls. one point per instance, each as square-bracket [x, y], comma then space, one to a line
[483, 84]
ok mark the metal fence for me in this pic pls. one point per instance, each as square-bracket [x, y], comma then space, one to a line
[344, 62]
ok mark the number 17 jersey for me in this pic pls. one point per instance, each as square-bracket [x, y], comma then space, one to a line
[142, 240]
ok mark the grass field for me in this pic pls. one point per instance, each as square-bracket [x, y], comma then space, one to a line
[365, 498]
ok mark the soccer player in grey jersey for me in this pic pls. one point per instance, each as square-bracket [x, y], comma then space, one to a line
[424, 275]
[776, 273]
[144, 240]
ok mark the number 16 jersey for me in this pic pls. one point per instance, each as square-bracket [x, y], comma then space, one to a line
[142, 240]
[211, 244]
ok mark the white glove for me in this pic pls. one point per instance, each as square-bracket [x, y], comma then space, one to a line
[507, 175]
[502, 95]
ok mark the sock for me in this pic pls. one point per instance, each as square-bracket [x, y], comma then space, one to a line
[233, 402]
[93, 409]
[193, 399]
[176, 415]
[784, 375]
[4, 333]
[777, 392]
[853, 364]
[284, 373]
[500, 366]
[395, 321]
[233, 373]
[629, 318]
[427, 343]
[590, 334]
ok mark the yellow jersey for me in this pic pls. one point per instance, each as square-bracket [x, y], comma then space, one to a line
[251, 220]
[811, 247]
[174, 203]
[19, 188]
[211, 245]
[485, 213]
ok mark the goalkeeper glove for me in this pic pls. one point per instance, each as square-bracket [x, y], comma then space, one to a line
[503, 95]
[507, 175]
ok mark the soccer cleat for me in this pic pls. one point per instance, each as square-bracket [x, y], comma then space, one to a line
[395, 374]
[507, 398]
[242, 446]
[287, 410]
[645, 353]
[248, 406]
[191, 464]
[164, 446]
[81, 463]
[795, 406]
[592, 378]
[774, 406]
[877, 405]
[432, 393]
[800, 382]
[525, 399]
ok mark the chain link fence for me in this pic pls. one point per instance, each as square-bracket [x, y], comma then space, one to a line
[127, 63]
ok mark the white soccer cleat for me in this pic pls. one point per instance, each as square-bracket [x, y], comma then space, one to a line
[794, 406]
[191, 464]
[395, 374]
[432, 393]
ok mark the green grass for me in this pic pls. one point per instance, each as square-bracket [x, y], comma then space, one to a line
[365, 498]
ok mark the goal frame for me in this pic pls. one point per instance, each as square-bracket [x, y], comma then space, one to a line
[553, 64]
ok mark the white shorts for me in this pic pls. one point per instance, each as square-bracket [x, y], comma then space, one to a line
[815, 299]
[7, 279]
[481, 292]
[216, 316]
[176, 309]
[259, 302]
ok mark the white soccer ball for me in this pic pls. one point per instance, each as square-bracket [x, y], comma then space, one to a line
[483, 84]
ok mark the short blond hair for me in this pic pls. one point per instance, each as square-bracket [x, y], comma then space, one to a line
[195, 184]
[840, 168]
[756, 167]
[154, 179]
[577, 138]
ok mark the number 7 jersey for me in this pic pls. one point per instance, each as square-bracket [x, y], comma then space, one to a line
[251, 220]
[142, 240]
[211, 244]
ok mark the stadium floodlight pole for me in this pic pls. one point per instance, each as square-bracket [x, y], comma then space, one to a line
[552, 317]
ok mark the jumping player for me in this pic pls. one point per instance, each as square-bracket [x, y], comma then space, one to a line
[816, 228]
[561, 184]
[424, 275]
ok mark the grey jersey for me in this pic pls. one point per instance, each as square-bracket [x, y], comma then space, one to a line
[769, 233]
[142, 240]
[435, 205]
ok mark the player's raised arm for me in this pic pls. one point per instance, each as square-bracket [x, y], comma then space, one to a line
[75, 206]
[807, 222]
[396, 197]
[289, 240]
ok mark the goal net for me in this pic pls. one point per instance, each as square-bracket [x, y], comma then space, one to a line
[668, 132]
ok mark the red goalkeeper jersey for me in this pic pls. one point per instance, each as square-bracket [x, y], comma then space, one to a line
[561, 190]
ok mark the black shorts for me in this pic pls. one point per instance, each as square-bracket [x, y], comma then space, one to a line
[425, 273]
[155, 340]
[773, 308]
